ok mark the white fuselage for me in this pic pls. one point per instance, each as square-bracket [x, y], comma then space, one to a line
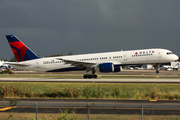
[144, 56]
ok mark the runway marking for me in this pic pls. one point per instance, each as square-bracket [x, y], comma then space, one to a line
[7, 108]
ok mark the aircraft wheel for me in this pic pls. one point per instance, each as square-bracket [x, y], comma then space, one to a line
[89, 76]
[85, 76]
[157, 71]
[94, 76]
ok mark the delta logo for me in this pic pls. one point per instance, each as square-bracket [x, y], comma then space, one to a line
[144, 52]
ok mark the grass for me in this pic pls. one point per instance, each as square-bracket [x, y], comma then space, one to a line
[6, 72]
[90, 90]
[78, 76]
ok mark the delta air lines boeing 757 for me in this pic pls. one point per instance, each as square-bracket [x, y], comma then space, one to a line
[105, 62]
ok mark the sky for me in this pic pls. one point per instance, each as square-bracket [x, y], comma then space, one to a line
[90, 26]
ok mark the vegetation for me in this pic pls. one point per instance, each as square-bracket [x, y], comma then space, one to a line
[2, 59]
[90, 90]
[86, 90]
[57, 54]
[59, 75]
[13, 59]
[6, 72]
[70, 53]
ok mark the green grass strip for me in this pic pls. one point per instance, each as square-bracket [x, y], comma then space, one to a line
[90, 90]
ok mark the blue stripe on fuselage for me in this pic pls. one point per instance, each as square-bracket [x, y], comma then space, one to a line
[66, 69]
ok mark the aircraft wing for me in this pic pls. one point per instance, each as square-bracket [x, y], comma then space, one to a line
[78, 63]
[16, 63]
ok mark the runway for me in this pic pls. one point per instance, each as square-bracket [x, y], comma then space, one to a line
[99, 80]
[96, 106]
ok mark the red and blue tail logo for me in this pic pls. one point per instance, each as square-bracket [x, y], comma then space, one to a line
[20, 50]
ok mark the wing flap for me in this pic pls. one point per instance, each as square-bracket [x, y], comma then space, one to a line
[78, 63]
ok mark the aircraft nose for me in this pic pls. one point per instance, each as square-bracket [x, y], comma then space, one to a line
[176, 57]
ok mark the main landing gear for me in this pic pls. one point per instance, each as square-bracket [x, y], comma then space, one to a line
[87, 75]
[157, 68]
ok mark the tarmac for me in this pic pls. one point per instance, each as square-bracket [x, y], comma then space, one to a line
[96, 106]
[126, 76]
[132, 80]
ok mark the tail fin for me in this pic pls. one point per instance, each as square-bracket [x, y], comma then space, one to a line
[20, 50]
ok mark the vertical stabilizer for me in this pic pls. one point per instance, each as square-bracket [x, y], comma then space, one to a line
[20, 50]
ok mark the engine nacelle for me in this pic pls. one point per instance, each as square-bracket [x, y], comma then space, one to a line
[109, 67]
[106, 67]
[117, 68]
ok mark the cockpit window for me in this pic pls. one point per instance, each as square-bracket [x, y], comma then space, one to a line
[169, 53]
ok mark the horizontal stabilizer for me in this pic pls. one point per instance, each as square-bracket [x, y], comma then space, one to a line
[16, 64]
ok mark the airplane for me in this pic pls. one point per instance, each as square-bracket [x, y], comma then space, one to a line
[170, 67]
[105, 62]
[1, 63]
[167, 67]
[4, 66]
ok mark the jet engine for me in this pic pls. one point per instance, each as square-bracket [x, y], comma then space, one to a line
[106, 67]
[109, 67]
[117, 68]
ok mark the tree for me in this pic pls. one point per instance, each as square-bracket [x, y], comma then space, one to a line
[2, 59]
[13, 59]
[55, 55]
[70, 53]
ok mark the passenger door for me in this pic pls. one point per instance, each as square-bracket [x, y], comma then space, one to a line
[37, 65]
[124, 57]
[159, 54]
